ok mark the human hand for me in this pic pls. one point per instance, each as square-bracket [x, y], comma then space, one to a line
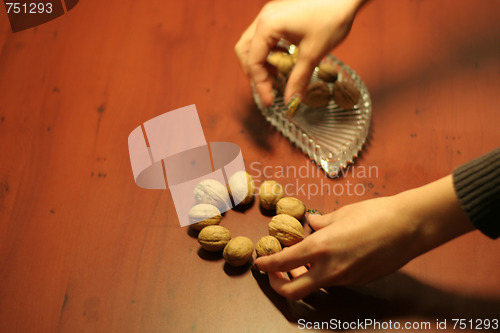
[315, 26]
[367, 240]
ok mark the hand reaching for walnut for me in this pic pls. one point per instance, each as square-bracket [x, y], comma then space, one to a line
[367, 240]
[315, 26]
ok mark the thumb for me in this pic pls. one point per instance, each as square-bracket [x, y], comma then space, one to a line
[319, 221]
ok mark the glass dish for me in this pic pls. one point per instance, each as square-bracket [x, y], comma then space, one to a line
[331, 136]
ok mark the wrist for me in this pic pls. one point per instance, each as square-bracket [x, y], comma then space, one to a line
[433, 214]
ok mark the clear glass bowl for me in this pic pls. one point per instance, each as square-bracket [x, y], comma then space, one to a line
[331, 136]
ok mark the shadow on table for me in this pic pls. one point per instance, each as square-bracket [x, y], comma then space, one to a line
[397, 295]
[258, 129]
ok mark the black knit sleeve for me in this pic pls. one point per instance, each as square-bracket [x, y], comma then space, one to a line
[477, 184]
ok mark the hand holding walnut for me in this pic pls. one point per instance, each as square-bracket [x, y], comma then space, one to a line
[367, 240]
[316, 26]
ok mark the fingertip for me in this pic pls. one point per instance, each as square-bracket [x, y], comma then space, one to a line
[293, 93]
[311, 217]
[313, 212]
[261, 263]
[276, 262]
[256, 262]
[269, 263]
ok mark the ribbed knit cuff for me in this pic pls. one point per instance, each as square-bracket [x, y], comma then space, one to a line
[477, 184]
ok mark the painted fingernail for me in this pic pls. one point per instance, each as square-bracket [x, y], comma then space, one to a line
[293, 104]
[313, 211]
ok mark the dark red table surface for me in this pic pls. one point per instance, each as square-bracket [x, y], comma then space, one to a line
[83, 249]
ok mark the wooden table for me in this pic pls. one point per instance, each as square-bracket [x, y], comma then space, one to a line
[83, 249]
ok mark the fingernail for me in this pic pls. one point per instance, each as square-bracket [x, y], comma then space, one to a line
[293, 104]
[313, 212]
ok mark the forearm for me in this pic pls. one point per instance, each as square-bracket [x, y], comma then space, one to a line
[435, 214]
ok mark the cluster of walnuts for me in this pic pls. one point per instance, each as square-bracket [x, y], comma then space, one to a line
[284, 228]
[319, 93]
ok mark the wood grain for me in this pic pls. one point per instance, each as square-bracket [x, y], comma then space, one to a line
[83, 249]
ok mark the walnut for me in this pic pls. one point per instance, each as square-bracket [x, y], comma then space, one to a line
[267, 245]
[270, 191]
[291, 206]
[203, 215]
[211, 191]
[238, 251]
[345, 94]
[282, 61]
[287, 229]
[327, 73]
[214, 238]
[241, 188]
[317, 95]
